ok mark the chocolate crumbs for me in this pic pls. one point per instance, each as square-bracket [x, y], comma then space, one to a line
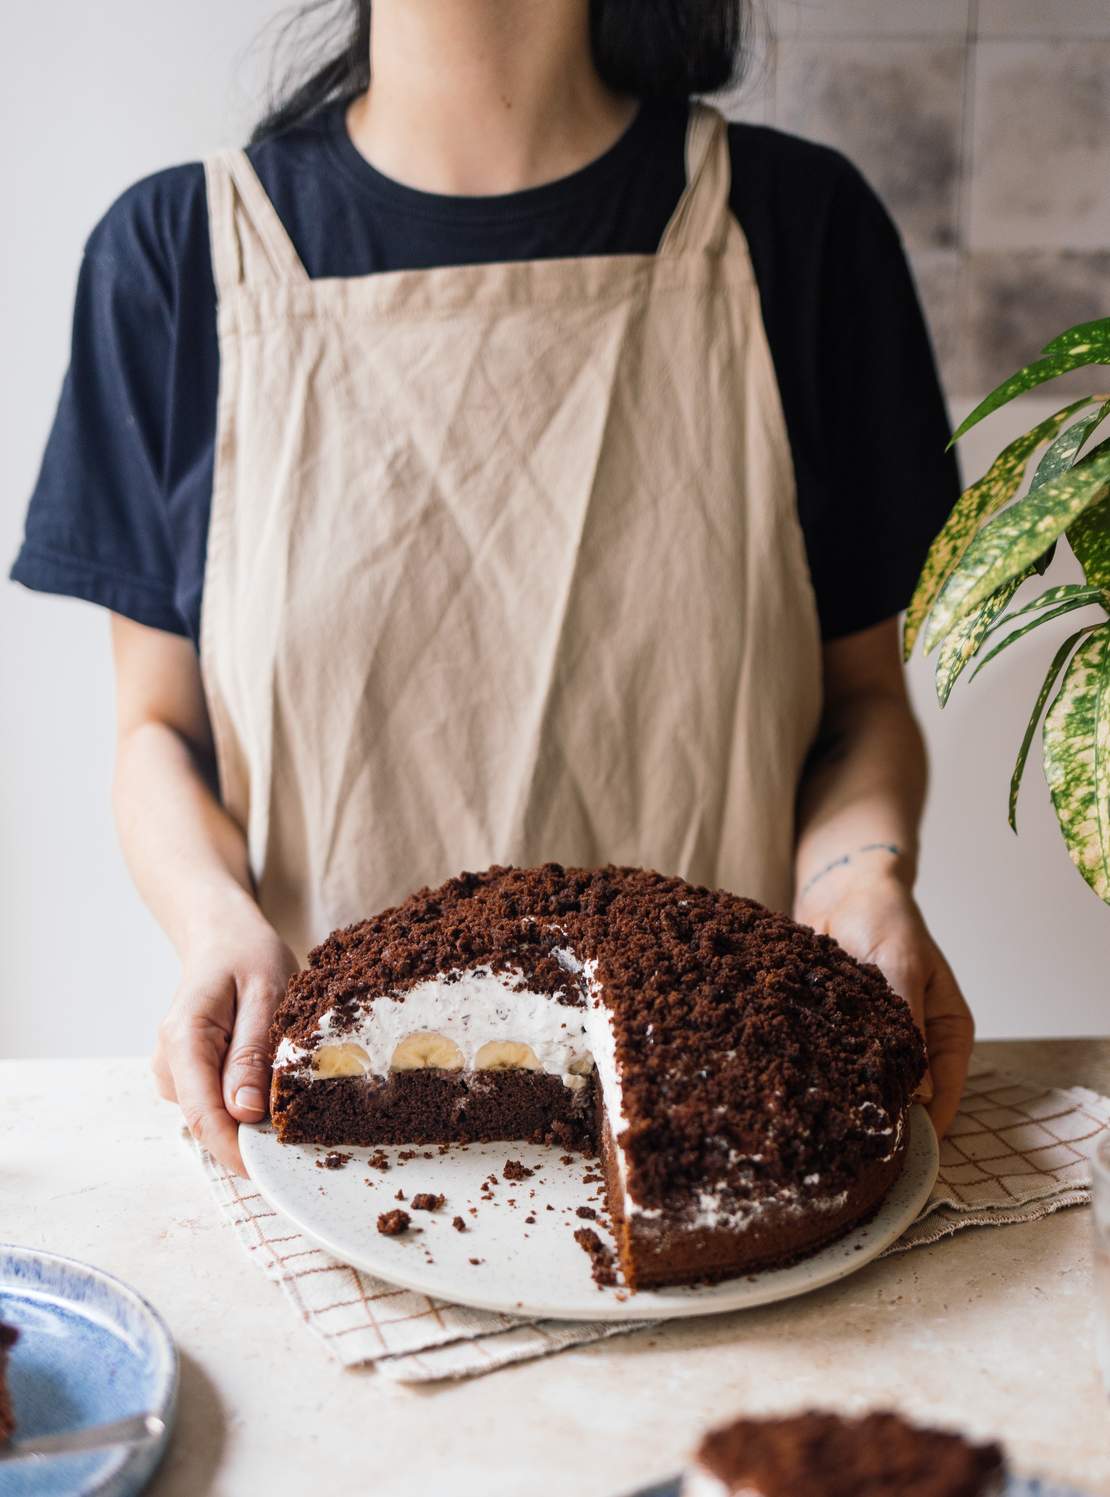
[393, 1223]
[601, 1259]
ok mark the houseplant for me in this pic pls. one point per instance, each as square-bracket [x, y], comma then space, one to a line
[965, 604]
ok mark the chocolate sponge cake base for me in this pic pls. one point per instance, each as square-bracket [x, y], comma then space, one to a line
[431, 1107]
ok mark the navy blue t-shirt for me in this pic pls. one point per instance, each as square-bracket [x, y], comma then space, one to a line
[119, 514]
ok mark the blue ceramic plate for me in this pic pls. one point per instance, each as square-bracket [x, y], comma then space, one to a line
[91, 1350]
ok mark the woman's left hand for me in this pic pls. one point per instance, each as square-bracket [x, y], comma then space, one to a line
[877, 920]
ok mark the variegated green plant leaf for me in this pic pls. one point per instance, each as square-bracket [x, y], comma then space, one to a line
[1077, 759]
[1057, 665]
[1009, 543]
[1061, 453]
[1042, 618]
[961, 643]
[1087, 343]
[996, 487]
[1089, 538]
[1048, 599]
[1095, 332]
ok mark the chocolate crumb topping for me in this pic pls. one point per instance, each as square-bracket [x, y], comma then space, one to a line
[824, 1455]
[393, 1223]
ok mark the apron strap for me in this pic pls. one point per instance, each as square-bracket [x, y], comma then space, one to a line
[701, 219]
[250, 244]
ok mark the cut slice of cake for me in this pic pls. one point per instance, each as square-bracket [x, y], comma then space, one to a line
[825, 1455]
[8, 1337]
[745, 1081]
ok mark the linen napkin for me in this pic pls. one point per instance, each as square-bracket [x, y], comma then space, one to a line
[1017, 1151]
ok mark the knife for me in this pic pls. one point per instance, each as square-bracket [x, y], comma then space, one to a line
[138, 1430]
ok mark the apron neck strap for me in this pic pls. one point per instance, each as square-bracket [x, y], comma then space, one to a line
[700, 221]
[250, 244]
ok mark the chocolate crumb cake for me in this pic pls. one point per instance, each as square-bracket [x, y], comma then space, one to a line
[745, 1081]
[825, 1455]
[8, 1337]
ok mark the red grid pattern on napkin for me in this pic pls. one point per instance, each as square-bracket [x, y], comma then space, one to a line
[1011, 1138]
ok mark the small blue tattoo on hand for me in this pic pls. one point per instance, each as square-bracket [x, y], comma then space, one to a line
[842, 862]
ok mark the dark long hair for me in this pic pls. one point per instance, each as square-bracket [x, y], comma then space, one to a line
[651, 49]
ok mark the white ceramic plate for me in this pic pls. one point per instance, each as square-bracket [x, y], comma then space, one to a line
[529, 1267]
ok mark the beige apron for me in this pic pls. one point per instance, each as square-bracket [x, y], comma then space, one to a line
[504, 564]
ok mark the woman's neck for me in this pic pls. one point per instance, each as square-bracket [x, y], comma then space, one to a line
[473, 97]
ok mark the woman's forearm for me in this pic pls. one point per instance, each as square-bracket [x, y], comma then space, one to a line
[189, 860]
[187, 856]
[861, 798]
[859, 808]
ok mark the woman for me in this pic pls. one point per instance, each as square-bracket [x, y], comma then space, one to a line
[441, 460]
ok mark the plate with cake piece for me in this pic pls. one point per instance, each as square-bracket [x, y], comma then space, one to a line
[81, 1351]
[823, 1453]
[625, 1095]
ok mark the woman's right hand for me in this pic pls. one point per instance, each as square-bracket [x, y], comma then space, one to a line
[212, 1056]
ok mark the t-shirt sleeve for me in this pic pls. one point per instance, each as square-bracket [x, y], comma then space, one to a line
[888, 482]
[96, 525]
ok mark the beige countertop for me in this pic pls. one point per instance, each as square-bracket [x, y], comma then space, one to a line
[990, 1330]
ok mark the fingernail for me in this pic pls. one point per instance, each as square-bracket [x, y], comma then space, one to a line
[250, 1099]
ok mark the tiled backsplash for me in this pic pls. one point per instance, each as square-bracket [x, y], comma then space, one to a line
[985, 127]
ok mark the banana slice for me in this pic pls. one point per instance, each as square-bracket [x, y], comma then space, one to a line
[582, 1066]
[341, 1060]
[426, 1049]
[506, 1055]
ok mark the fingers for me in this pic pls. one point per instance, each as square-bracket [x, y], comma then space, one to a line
[198, 1055]
[949, 1034]
[246, 1081]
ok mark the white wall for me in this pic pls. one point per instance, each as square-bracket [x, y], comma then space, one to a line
[89, 107]
[92, 100]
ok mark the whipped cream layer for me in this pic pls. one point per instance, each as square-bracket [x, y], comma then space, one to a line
[471, 1008]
